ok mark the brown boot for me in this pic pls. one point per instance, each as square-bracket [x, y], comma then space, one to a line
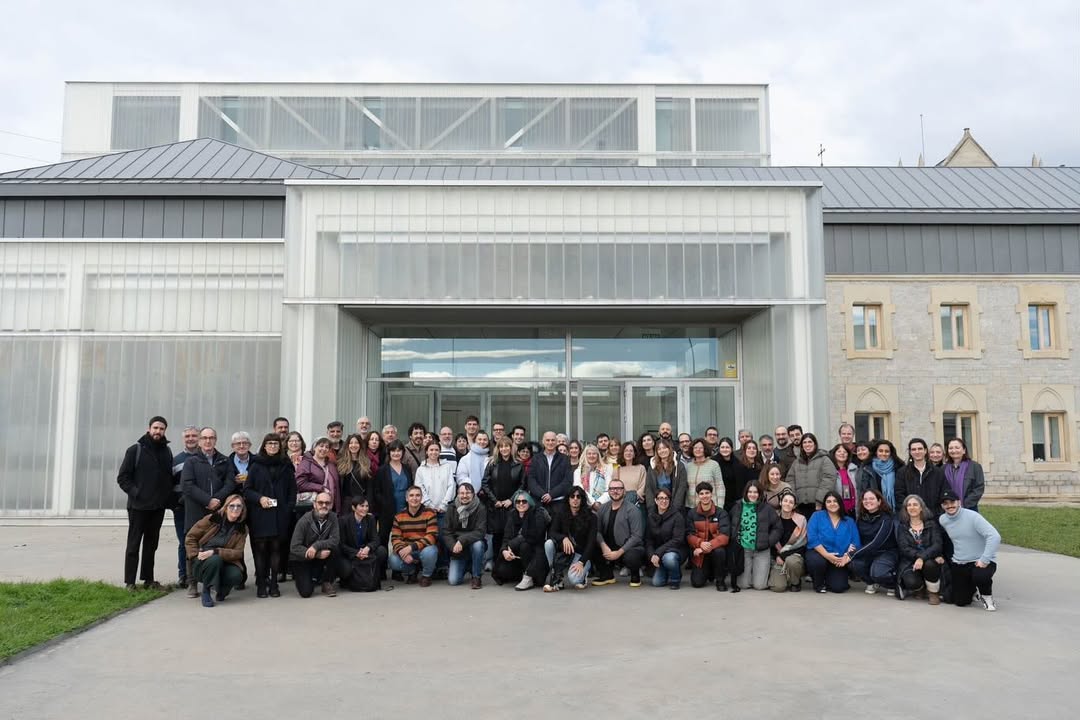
[425, 581]
[476, 584]
[328, 589]
[934, 598]
[193, 589]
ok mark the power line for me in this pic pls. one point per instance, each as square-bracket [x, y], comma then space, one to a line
[29, 137]
[26, 157]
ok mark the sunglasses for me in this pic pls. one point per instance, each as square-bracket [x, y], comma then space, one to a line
[521, 502]
[235, 506]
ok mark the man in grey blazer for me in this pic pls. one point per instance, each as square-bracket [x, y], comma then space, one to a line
[620, 534]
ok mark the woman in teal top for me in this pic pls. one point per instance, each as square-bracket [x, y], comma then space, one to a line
[831, 539]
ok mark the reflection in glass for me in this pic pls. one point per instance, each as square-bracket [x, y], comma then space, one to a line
[653, 405]
[470, 353]
[652, 352]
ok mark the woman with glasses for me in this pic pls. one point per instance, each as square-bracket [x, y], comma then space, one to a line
[572, 543]
[832, 538]
[215, 545]
[271, 495]
[466, 526]
[521, 556]
[665, 540]
[295, 447]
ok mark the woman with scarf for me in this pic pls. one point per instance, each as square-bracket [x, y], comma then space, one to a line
[521, 556]
[667, 473]
[875, 561]
[591, 476]
[503, 477]
[470, 467]
[215, 545]
[375, 448]
[880, 473]
[466, 526]
[864, 451]
[963, 475]
[847, 473]
[665, 540]
[790, 553]
[771, 482]
[572, 542]
[270, 495]
[755, 529]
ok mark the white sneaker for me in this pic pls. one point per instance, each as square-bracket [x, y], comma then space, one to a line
[872, 589]
[890, 592]
[525, 584]
[988, 602]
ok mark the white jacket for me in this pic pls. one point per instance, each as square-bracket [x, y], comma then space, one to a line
[437, 484]
[597, 490]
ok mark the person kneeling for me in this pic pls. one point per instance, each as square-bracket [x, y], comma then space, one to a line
[975, 542]
[921, 551]
[215, 546]
[466, 525]
[521, 555]
[413, 538]
[665, 541]
[756, 528]
[621, 537]
[572, 543]
[707, 533]
[362, 558]
[313, 552]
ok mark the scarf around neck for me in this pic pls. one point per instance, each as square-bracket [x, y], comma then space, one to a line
[478, 458]
[886, 470]
[748, 526]
[955, 475]
[465, 511]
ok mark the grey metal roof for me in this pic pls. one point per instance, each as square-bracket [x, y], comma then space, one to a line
[846, 189]
[211, 166]
[202, 160]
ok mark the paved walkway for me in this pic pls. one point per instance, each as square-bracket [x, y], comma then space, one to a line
[609, 652]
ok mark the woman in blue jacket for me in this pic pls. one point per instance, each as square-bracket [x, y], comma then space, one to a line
[875, 562]
[831, 539]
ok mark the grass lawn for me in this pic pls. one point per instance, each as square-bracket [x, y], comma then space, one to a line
[1053, 529]
[31, 613]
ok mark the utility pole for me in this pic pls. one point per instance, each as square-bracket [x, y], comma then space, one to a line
[821, 155]
[922, 134]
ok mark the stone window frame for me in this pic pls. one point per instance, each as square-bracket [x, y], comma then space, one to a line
[1058, 399]
[967, 295]
[878, 399]
[1044, 294]
[970, 399]
[869, 294]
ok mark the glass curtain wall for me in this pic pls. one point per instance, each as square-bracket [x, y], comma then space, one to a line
[97, 337]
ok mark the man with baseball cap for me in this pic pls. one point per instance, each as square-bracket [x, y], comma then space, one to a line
[974, 558]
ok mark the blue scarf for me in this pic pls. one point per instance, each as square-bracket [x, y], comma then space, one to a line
[886, 470]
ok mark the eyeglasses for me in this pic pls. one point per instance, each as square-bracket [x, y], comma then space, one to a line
[322, 502]
[208, 437]
[235, 506]
[521, 502]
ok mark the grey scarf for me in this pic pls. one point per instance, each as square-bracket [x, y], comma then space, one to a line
[464, 512]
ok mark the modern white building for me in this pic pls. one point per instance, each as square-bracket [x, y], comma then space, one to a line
[221, 285]
[433, 124]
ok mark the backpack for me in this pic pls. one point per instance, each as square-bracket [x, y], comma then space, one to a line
[365, 576]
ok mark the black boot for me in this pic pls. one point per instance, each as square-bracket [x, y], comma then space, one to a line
[721, 586]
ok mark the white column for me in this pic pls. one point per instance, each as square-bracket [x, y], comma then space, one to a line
[189, 112]
[66, 426]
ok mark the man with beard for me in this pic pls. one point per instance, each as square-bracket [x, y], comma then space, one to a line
[313, 552]
[145, 475]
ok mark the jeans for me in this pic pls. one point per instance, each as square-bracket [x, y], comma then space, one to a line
[563, 563]
[181, 556]
[472, 557]
[424, 559]
[879, 569]
[670, 570]
[756, 564]
[444, 554]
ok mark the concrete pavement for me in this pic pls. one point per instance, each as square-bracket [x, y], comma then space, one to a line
[609, 652]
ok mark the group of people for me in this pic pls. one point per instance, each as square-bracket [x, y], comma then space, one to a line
[758, 513]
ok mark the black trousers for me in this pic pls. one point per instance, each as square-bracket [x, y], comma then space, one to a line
[267, 554]
[913, 579]
[967, 578]
[531, 561]
[631, 559]
[144, 528]
[308, 572]
[713, 567]
[825, 574]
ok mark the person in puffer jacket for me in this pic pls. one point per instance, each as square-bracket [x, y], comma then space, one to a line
[811, 475]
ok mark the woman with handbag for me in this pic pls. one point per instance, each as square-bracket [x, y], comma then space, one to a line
[790, 559]
[316, 474]
[362, 559]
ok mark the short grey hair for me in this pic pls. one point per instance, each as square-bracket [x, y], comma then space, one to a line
[238, 436]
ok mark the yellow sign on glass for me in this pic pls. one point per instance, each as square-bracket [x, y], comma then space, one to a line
[731, 370]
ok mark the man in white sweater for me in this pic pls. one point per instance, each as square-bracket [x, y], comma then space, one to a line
[974, 559]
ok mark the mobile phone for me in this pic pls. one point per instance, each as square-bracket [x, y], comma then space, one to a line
[273, 502]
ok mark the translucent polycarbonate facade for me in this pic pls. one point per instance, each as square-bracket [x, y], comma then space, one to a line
[553, 245]
[471, 124]
[97, 336]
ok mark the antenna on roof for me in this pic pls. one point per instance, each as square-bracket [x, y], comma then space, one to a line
[922, 135]
[821, 155]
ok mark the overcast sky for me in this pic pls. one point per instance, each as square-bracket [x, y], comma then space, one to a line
[846, 75]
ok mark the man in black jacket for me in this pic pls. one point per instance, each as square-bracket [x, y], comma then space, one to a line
[550, 477]
[145, 475]
[206, 482]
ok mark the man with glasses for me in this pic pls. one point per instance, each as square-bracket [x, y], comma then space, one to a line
[550, 477]
[712, 439]
[313, 552]
[685, 455]
[363, 425]
[498, 431]
[446, 447]
[191, 446]
[707, 532]
[620, 537]
[206, 480]
[145, 475]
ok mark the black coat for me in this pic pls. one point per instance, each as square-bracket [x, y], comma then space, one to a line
[530, 529]
[474, 529]
[930, 546]
[356, 483]
[203, 479]
[347, 535]
[580, 528]
[270, 477]
[666, 533]
[729, 471]
[877, 535]
[929, 485]
[492, 491]
[556, 481]
[769, 527]
[148, 483]
[382, 504]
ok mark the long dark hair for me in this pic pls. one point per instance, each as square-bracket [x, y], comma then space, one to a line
[817, 446]
[839, 502]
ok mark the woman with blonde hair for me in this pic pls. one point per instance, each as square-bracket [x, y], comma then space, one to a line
[591, 476]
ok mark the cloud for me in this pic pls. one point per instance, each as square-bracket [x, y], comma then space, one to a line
[853, 77]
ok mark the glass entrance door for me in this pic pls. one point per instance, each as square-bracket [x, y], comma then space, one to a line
[690, 407]
[651, 405]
